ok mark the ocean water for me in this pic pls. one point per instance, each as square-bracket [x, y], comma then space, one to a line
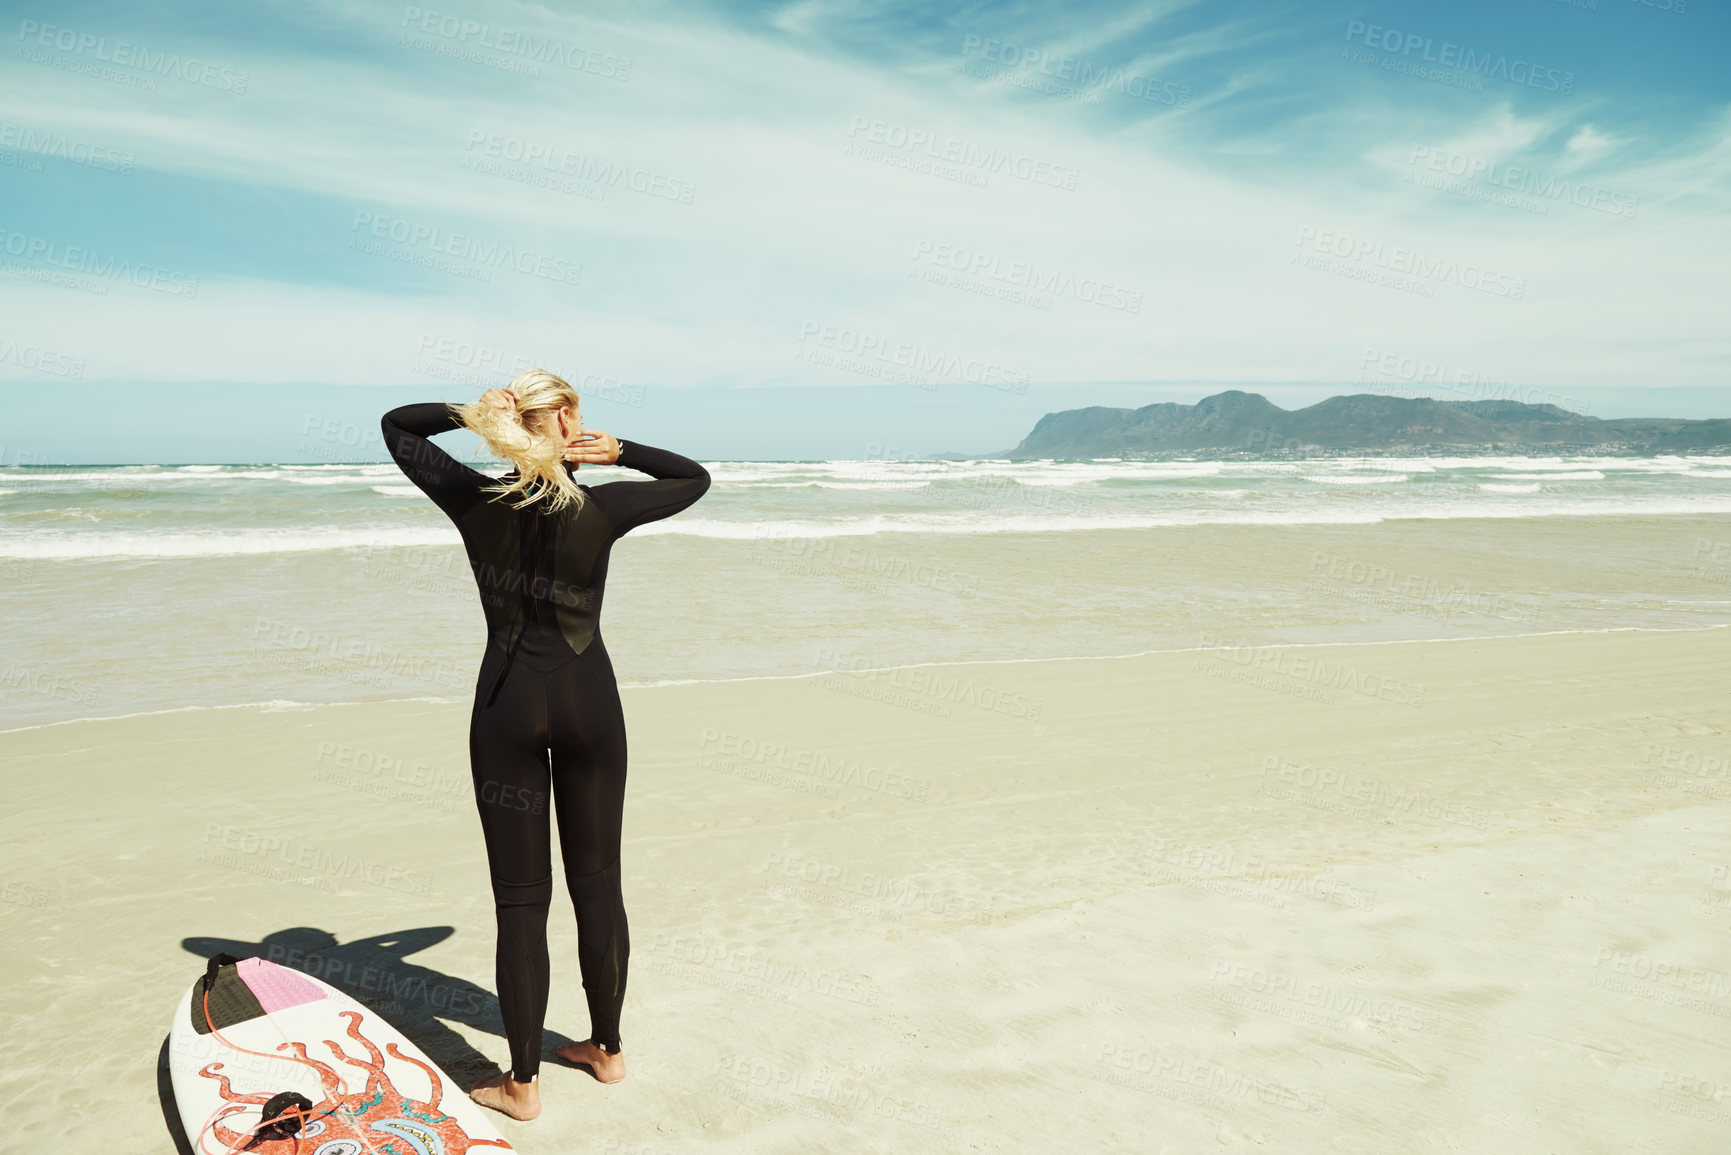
[136, 588]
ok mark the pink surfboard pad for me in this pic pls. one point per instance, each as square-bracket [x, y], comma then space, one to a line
[276, 988]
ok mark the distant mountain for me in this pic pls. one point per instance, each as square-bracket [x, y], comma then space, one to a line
[1248, 424]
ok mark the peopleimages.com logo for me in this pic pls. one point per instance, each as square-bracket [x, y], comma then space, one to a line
[966, 154]
[464, 33]
[58, 146]
[89, 46]
[40, 359]
[1423, 268]
[482, 254]
[104, 266]
[1523, 179]
[1490, 66]
[1086, 75]
[990, 268]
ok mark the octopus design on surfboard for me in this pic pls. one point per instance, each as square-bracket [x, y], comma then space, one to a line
[380, 1107]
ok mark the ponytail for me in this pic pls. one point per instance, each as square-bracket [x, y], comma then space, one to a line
[526, 435]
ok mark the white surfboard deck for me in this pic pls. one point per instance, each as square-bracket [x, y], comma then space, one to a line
[380, 1102]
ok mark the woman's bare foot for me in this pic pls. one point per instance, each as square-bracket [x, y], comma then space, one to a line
[606, 1068]
[518, 1100]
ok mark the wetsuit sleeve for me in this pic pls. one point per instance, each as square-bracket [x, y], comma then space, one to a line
[453, 486]
[679, 481]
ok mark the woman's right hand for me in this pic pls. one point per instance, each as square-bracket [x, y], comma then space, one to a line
[500, 398]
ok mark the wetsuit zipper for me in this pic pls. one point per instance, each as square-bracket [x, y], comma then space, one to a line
[534, 604]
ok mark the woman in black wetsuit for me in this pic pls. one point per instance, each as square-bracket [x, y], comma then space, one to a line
[547, 719]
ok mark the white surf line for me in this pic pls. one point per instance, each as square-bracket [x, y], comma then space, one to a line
[269, 706]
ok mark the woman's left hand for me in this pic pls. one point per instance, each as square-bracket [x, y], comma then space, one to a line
[592, 447]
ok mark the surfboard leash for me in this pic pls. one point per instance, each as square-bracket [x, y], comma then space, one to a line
[291, 1113]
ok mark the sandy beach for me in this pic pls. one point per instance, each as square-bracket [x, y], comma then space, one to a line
[1464, 895]
[1168, 569]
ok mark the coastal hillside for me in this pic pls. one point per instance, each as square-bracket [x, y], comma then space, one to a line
[1250, 424]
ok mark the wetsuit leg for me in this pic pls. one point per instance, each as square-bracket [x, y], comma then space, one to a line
[588, 766]
[509, 763]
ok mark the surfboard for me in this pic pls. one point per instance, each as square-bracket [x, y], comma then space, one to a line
[271, 1061]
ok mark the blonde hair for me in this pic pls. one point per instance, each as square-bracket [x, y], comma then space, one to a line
[527, 436]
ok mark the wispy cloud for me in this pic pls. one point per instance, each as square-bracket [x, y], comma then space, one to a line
[702, 178]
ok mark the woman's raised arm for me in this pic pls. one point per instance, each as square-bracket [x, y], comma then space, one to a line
[679, 481]
[453, 486]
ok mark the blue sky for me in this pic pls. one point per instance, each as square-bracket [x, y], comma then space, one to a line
[801, 230]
